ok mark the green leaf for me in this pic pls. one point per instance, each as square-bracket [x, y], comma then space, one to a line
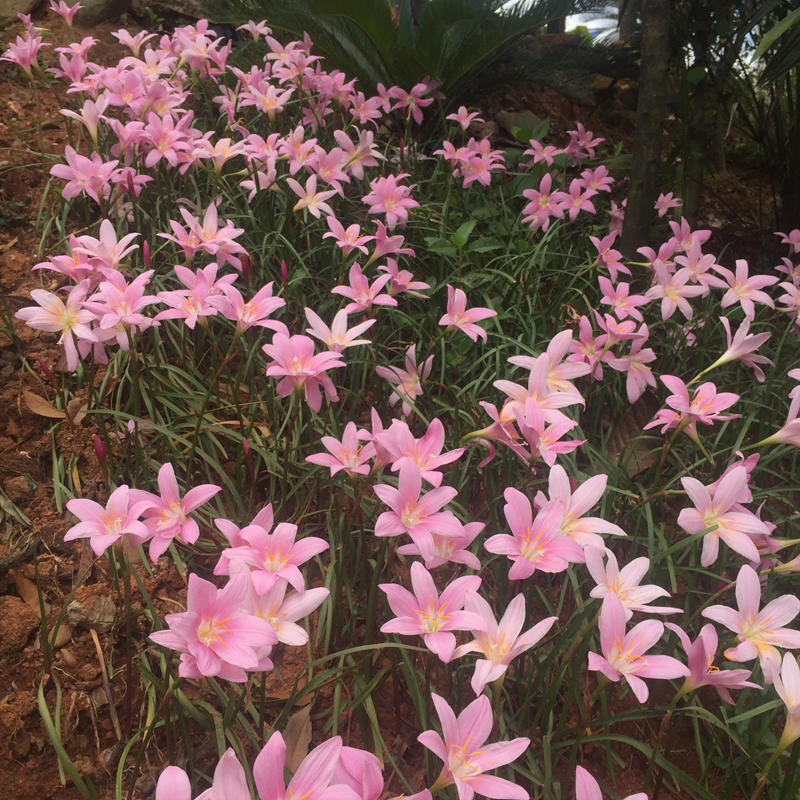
[695, 75]
[461, 236]
[774, 33]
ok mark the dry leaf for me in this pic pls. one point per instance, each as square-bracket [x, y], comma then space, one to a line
[76, 410]
[627, 445]
[42, 407]
[297, 735]
[27, 591]
[8, 245]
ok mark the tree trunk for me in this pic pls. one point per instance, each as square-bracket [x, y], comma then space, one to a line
[650, 112]
[628, 18]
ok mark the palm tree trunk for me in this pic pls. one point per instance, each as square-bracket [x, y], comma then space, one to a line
[650, 112]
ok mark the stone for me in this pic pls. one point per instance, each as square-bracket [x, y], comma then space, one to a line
[187, 8]
[93, 11]
[19, 621]
[91, 610]
[17, 487]
[10, 8]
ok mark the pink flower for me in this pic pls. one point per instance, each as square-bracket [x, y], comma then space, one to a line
[389, 197]
[746, 290]
[534, 543]
[499, 643]
[702, 672]
[638, 375]
[107, 251]
[587, 788]
[457, 315]
[214, 636]
[90, 175]
[426, 614]
[348, 239]
[665, 202]
[388, 245]
[106, 526]
[314, 775]
[347, 455]
[717, 513]
[166, 517]
[705, 405]
[608, 257]
[466, 756]
[25, 52]
[294, 361]
[574, 503]
[413, 513]
[622, 303]
[792, 239]
[408, 381]
[624, 653]
[624, 583]
[254, 312]
[338, 337]
[787, 685]
[67, 13]
[742, 348]
[447, 549]
[402, 280]
[71, 319]
[425, 453]
[543, 204]
[464, 118]
[310, 198]
[173, 784]
[674, 291]
[363, 294]
[759, 632]
[412, 101]
[271, 557]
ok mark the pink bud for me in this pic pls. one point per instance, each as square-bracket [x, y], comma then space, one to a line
[131, 187]
[246, 267]
[45, 367]
[99, 449]
[146, 253]
[284, 275]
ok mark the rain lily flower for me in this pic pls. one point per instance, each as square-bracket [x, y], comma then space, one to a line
[106, 526]
[542, 152]
[167, 517]
[447, 549]
[425, 453]
[792, 239]
[683, 236]
[745, 289]
[624, 653]
[338, 337]
[271, 557]
[608, 257]
[91, 175]
[665, 202]
[402, 280]
[587, 788]
[574, 504]
[408, 381]
[458, 316]
[466, 756]
[391, 198]
[413, 513]
[282, 611]
[464, 118]
[427, 614]
[214, 636]
[310, 198]
[534, 543]
[501, 642]
[363, 294]
[622, 303]
[705, 405]
[386, 245]
[787, 685]
[107, 251]
[173, 784]
[760, 632]
[721, 516]
[674, 290]
[294, 362]
[71, 319]
[788, 434]
[348, 239]
[742, 348]
[25, 53]
[702, 672]
[347, 455]
[624, 583]
[638, 375]
[254, 312]
[543, 204]
[314, 775]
